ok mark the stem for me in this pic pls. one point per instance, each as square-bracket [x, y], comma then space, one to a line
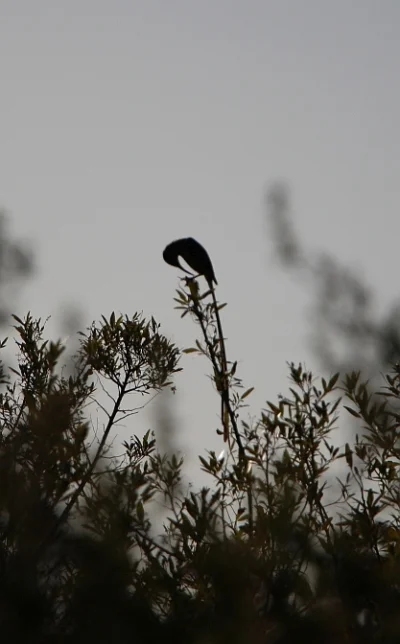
[224, 392]
[224, 366]
[87, 476]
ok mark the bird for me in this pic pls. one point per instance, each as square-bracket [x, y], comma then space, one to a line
[194, 254]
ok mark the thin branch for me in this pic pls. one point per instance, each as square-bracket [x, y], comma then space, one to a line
[224, 393]
[86, 478]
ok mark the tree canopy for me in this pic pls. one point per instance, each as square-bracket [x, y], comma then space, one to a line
[295, 538]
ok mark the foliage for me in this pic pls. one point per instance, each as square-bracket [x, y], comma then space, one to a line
[347, 333]
[16, 265]
[296, 538]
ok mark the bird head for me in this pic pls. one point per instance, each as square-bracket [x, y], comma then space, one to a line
[171, 254]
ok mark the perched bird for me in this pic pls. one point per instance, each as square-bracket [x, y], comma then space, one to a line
[198, 259]
[194, 255]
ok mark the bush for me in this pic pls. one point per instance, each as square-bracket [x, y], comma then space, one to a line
[296, 538]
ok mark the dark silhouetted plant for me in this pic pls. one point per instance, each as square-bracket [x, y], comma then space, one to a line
[296, 538]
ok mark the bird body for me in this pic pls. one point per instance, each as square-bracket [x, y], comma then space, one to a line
[194, 254]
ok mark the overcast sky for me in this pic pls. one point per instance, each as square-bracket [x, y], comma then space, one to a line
[127, 124]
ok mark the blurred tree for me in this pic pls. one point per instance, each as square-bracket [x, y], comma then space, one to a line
[346, 332]
[16, 265]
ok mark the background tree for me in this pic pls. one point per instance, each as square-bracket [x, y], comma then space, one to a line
[16, 265]
[346, 331]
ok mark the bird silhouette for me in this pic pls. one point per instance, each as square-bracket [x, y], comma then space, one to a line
[194, 254]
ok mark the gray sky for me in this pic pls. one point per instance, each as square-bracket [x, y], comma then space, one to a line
[126, 124]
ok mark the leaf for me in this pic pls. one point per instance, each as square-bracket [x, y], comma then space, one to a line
[352, 411]
[199, 346]
[333, 381]
[295, 394]
[246, 393]
[206, 465]
[348, 453]
[140, 511]
[190, 350]
[335, 405]
[275, 409]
